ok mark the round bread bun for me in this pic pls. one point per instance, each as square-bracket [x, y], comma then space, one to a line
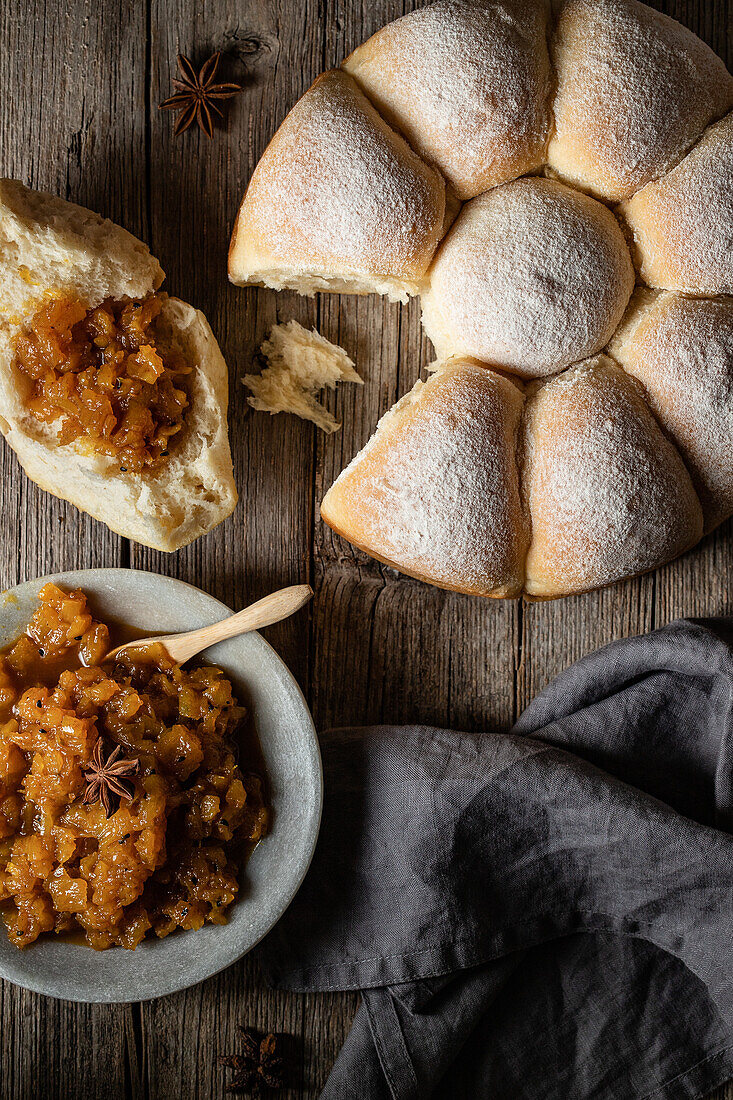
[607, 494]
[435, 492]
[468, 84]
[49, 247]
[681, 350]
[339, 202]
[635, 90]
[532, 277]
[682, 225]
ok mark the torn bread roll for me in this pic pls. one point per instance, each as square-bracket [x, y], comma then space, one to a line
[682, 224]
[607, 493]
[532, 277]
[60, 260]
[435, 492]
[299, 364]
[635, 90]
[468, 84]
[339, 202]
[681, 350]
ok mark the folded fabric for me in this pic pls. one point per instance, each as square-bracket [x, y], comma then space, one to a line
[541, 914]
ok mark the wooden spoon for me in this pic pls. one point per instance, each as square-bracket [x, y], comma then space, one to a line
[271, 609]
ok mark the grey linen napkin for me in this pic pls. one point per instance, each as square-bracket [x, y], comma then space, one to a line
[541, 914]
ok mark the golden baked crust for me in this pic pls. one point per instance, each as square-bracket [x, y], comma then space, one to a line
[435, 492]
[682, 224]
[338, 202]
[635, 89]
[480, 114]
[607, 494]
[532, 276]
[681, 350]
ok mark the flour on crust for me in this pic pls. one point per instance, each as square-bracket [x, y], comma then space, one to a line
[532, 277]
[338, 202]
[682, 224]
[435, 492]
[608, 495]
[468, 83]
[681, 350]
[635, 90]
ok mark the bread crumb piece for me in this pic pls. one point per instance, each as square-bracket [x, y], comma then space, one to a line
[299, 364]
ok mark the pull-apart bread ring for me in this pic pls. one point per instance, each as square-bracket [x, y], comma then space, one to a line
[468, 84]
[571, 435]
[435, 492]
[635, 90]
[532, 277]
[64, 268]
[339, 202]
[681, 350]
[682, 225]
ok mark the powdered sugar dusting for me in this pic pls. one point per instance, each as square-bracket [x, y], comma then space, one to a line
[681, 350]
[532, 277]
[468, 83]
[683, 224]
[338, 192]
[635, 91]
[608, 495]
[435, 491]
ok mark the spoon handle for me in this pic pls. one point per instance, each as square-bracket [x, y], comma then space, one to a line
[271, 609]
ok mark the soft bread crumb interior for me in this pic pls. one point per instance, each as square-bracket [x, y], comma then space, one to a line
[310, 284]
[49, 248]
[299, 364]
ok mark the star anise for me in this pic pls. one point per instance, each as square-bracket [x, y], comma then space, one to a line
[109, 779]
[196, 95]
[259, 1067]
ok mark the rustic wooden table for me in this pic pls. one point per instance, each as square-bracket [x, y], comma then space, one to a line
[81, 82]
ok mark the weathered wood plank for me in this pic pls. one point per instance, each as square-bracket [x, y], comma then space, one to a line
[275, 50]
[90, 130]
[73, 84]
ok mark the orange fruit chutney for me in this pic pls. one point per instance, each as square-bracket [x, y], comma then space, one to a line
[101, 373]
[167, 857]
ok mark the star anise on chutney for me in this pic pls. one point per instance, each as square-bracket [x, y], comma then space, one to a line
[196, 95]
[259, 1067]
[109, 779]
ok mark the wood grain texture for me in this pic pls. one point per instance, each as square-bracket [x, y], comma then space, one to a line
[79, 116]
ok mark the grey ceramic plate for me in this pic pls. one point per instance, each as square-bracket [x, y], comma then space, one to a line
[276, 869]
